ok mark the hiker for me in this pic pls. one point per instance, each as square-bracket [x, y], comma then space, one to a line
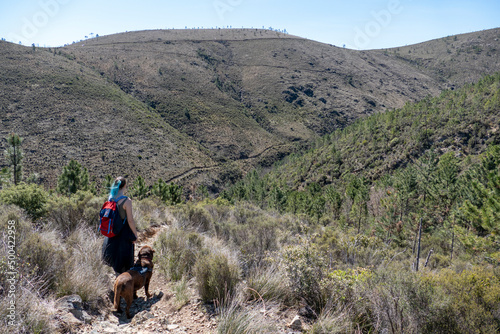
[118, 251]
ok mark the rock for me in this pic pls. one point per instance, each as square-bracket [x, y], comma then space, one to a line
[69, 319]
[72, 304]
[307, 312]
[69, 302]
[82, 316]
[142, 317]
[296, 323]
[172, 327]
[164, 322]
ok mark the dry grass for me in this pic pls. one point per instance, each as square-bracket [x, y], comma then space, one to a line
[34, 313]
[237, 319]
[268, 283]
[85, 274]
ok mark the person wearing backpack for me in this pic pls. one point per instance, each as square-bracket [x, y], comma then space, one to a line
[118, 250]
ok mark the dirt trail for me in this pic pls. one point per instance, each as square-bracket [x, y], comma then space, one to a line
[159, 314]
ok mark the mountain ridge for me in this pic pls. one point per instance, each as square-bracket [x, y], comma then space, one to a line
[227, 100]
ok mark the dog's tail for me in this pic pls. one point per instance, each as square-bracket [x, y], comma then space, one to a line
[116, 301]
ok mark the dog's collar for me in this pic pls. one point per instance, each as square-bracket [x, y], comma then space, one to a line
[141, 270]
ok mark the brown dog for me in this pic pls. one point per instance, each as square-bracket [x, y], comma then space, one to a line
[127, 284]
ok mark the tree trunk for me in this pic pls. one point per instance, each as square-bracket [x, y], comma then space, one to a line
[428, 257]
[418, 248]
[452, 245]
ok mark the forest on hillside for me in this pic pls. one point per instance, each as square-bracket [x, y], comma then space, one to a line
[389, 225]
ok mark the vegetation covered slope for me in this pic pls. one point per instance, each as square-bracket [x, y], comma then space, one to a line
[458, 124]
[201, 106]
[240, 92]
[347, 257]
[454, 60]
[66, 111]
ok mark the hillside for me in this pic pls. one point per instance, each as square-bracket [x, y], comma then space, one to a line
[204, 106]
[454, 60]
[66, 111]
[382, 147]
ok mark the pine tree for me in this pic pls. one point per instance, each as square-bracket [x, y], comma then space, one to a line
[106, 186]
[14, 156]
[74, 177]
[359, 194]
[139, 188]
[335, 200]
[169, 193]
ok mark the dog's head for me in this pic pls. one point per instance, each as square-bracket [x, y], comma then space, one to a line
[146, 252]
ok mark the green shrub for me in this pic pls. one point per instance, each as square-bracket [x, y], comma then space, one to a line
[67, 213]
[216, 278]
[195, 217]
[171, 193]
[177, 251]
[255, 239]
[74, 177]
[470, 299]
[304, 267]
[339, 286]
[30, 197]
[181, 293]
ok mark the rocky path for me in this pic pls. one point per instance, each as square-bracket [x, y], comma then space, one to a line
[159, 314]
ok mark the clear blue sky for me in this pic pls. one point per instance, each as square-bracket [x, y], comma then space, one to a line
[361, 24]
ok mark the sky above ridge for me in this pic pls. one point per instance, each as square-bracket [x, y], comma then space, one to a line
[354, 24]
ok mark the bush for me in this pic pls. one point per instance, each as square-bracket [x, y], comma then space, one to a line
[45, 254]
[177, 253]
[195, 217]
[216, 278]
[255, 239]
[236, 320]
[23, 227]
[84, 273]
[470, 299]
[66, 213]
[304, 267]
[268, 284]
[148, 212]
[30, 197]
[396, 300]
[181, 293]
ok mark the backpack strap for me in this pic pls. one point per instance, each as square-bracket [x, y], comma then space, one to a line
[119, 198]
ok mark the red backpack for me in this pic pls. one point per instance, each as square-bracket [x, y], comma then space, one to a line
[110, 222]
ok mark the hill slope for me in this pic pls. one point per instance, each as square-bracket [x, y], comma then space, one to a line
[464, 121]
[204, 104]
[66, 111]
[238, 92]
[454, 60]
